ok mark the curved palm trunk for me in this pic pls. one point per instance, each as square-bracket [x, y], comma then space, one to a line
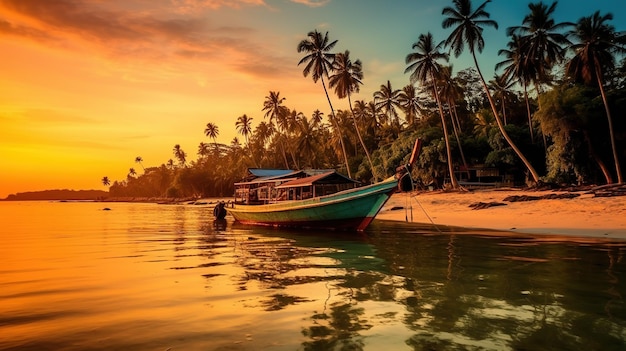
[332, 111]
[611, 133]
[455, 183]
[504, 111]
[506, 136]
[358, 133]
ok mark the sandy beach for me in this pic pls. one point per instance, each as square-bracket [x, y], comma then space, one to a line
[585, 214]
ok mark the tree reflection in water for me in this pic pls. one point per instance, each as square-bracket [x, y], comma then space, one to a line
[450, 290]
[509, 292]
[339, 331]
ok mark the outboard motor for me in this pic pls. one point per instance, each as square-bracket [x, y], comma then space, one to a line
[403, 173]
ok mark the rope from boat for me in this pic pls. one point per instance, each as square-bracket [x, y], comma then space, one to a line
[418, 203]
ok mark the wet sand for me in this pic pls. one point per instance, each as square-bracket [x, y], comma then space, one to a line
[583, 215]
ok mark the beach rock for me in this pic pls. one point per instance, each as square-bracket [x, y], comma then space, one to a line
[483, 205]
[518, 198]
[609, 190]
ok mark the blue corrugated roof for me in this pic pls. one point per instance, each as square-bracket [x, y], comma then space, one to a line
[263, 172]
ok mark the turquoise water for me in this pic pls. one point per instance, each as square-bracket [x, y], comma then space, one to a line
[167, 277]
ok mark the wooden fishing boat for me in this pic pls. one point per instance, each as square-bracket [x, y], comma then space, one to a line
[313, 199]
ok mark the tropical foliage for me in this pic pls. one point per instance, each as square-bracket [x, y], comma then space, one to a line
[551, 114]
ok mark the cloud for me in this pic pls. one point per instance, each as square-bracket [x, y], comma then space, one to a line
[312, 3]
[8, 28]
[186, 6]
[138, 30]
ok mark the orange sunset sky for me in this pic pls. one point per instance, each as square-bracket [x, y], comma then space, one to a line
[86, 86]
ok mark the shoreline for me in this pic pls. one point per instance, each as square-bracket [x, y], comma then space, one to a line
[550, 212]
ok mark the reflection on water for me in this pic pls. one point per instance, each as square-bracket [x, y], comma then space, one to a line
[159, 277]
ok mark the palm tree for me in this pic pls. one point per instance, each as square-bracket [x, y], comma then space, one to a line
[542, 42]
[468, 29]
[596, 44]
[318, 61]
[291, 125]
[180, 155]
[306, 141]
[450, 92]
[317, 117]
[501, 86]
[517, 68]
[244, 126]
[138, 159]
[264, 132]
[387, 100]
[203, 150]
[276, 112]
[273, 106]
[364, 112]
[212, 131]
[132, 172]
[346, 80]
[424, 66]
[410, 103]
[483, 123]
[106, 181]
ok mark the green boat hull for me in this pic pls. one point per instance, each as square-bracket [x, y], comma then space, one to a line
[352, 209]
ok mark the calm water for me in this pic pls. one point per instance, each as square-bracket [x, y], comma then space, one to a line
[166, 277]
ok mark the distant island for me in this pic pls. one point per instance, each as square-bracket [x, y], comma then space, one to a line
[58, 194]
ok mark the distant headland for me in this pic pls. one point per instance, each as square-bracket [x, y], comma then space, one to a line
[58, 194]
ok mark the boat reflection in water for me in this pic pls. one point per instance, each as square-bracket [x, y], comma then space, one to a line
[399, 285]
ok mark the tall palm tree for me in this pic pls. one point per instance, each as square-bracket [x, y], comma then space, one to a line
[424, 67]
[450, 92]
[244, 126]
[318, 61]
[388, 100]
[291, 126]
[543, 42]
[106, 181]
[346, 79]
[468, 29]
[276, 112]
[273, 106]
[139, 160]
[212, 131]
[596, 42]
[517, 68]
